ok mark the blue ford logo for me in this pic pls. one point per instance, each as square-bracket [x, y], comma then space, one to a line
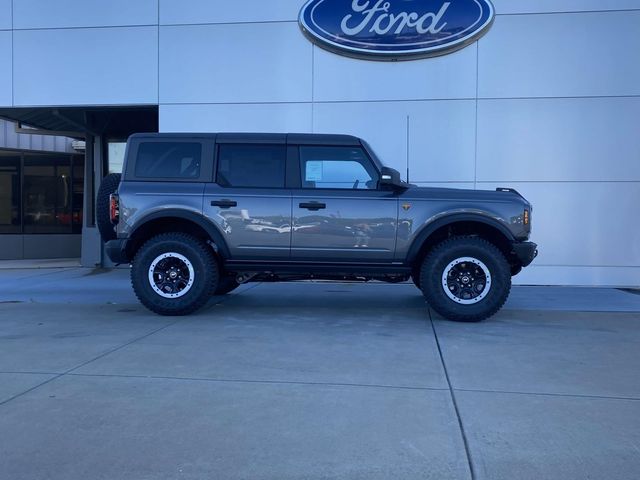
[395, 29]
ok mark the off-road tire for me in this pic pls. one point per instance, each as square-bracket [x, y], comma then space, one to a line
[204, 264]
[435, 264]
[108, 186]
[226, 285]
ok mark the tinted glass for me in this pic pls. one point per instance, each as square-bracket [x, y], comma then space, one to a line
[337, 167]
[10, 221]
[257, 166]
[179, 160]
[47, 194]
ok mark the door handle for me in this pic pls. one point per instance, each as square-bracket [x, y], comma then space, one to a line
[313, 206]
[224, 203]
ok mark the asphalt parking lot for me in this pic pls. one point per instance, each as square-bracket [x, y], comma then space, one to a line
[313, 381]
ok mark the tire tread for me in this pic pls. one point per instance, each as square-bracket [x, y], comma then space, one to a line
[210, 265]
[440, 302]
[108, 186]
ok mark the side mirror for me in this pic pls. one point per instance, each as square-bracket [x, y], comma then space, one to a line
[390, 177]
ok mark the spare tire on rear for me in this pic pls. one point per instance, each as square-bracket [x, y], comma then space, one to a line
[108, 186]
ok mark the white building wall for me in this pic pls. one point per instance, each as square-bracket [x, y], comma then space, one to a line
[36, 14]
[6, 84]
[546, 102]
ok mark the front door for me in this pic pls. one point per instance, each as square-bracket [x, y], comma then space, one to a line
[249, 201]
[340, 214]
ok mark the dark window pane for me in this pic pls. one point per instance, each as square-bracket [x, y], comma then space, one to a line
[169, 160]
[337, 167]
[10, 221]
[258, 166]
[47, 194]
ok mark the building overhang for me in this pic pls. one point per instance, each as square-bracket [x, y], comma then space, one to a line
[77, 122]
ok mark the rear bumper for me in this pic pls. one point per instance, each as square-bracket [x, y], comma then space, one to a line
[526, 252]
[117, 251]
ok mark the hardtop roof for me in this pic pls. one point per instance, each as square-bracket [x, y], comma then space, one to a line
[284, 138]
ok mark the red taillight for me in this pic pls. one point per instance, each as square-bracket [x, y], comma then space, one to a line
[114, 208]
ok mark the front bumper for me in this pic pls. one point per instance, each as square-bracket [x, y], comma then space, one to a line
[526, 252]
[117, 251]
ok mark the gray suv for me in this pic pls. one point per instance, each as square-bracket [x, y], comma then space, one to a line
[197, 215]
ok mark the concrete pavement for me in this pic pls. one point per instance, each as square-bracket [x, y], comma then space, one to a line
[311, 381]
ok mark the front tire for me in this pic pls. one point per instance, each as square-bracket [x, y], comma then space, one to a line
[466, 279]
[174, 274]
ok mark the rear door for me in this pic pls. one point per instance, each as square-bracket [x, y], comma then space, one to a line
[248, 199]
[339, 212]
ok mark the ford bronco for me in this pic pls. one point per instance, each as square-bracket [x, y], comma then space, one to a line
[197, 215]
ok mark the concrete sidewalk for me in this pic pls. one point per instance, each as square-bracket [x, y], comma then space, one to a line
[313, 380]
[56, 263]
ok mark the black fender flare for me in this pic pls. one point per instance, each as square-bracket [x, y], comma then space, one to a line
[212, 230]
[430, 228]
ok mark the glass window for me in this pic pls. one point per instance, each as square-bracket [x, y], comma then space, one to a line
[169, 160]
[337, 167]
[257, 166]
[10, 217]
[116, 156]
[47, 194]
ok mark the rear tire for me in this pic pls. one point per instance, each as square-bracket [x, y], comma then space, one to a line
[174, 274]
[466, 279]
[108, 186]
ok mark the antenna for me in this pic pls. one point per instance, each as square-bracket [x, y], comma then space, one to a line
[408, 143]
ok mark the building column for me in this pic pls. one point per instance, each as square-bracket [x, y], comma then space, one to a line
[92, 248]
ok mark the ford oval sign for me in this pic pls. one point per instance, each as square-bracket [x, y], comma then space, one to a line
[395, 29]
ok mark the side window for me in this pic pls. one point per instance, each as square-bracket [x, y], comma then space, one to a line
[177, 160]
[346, 168]
[251, 166]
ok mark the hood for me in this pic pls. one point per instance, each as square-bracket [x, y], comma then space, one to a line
[501, 195]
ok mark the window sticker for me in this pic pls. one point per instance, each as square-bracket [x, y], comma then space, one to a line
[314, 171]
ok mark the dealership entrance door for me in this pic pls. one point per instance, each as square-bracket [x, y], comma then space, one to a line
[51, 198]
